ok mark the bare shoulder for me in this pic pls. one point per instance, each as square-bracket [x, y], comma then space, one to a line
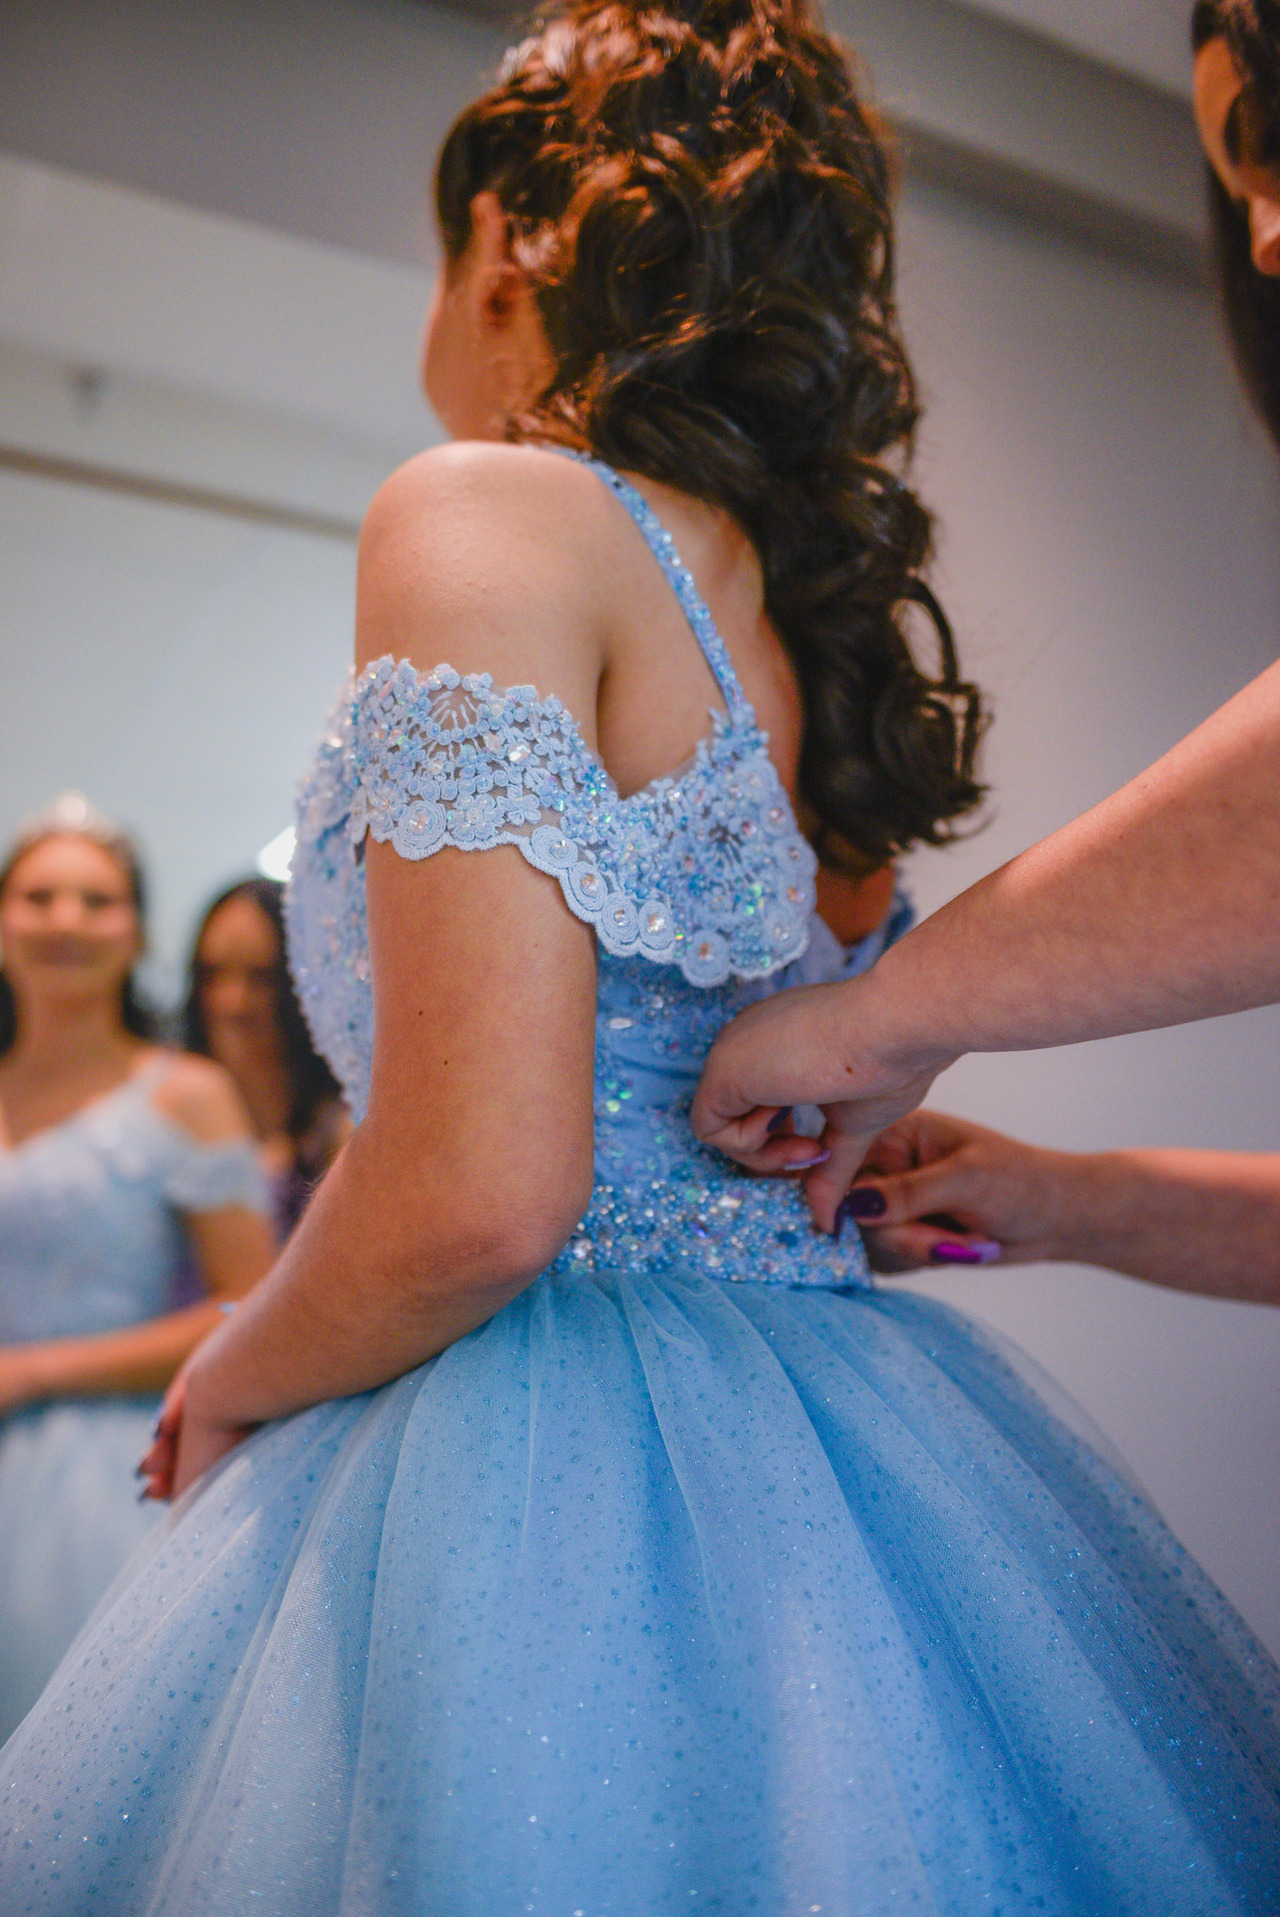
[482, 482]
[200, 1097]
[485, 557]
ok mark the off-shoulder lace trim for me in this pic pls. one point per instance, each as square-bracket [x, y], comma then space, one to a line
[705, 869]
[207, 1177]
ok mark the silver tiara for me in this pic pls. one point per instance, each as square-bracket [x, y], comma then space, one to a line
[71, 812]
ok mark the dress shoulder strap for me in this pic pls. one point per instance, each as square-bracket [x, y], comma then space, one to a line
[680, 579]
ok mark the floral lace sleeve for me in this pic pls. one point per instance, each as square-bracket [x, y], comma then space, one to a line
[698, 869]
[705, 869]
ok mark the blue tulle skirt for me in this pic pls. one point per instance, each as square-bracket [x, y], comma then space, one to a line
[69, 1520]
[659, 1596]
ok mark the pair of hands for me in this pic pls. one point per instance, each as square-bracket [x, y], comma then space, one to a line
[923, 1188]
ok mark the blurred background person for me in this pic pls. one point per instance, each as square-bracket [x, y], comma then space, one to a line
[117, 1158]
[243, 1012]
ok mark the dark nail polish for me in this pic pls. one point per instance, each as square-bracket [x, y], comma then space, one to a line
[778, 1120]
[983, 1251]
[864, 1201]
[844, 1212]
[155, 1423]
[144, 1493]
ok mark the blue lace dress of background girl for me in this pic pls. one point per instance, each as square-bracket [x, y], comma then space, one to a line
[91, 1240]
[705, 1576]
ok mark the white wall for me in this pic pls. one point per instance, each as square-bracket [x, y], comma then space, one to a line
[1145, 37]
[1109, 554]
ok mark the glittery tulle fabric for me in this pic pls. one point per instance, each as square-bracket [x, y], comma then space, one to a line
[655, 1596]
[703, 1577]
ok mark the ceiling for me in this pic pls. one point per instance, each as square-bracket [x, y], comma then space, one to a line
[1148, 38]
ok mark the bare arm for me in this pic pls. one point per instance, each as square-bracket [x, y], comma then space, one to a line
[1191, 1220]
[473, 1163]
[234, 1246]
[1159, 906]
[485, 993]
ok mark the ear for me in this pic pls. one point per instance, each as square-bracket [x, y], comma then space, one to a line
[501, 282]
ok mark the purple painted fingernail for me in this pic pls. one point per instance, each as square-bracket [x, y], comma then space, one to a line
[778, 1120]
[145, 1493]
[864, 1201]
[810, 1163]
[982, 1251]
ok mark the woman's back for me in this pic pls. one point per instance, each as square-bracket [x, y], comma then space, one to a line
[697, 879]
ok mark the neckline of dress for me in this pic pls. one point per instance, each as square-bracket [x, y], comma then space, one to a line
[150, 1071]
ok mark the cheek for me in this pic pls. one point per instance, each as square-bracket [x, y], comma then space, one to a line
[13, 920]
[121, 938]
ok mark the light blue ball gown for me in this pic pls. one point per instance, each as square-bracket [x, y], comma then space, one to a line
[90, 1241]
[705, 1576]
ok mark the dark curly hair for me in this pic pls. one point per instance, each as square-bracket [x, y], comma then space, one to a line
[135, 1015]
[702, 204]
[1251, 300]
[312, 1086]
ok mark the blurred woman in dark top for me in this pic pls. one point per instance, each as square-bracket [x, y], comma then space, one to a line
[242, 1010]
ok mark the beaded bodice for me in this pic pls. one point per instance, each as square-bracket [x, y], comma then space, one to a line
[699, 887]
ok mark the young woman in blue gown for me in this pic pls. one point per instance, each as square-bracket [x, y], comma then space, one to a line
[599, 1541]
[119, 1163]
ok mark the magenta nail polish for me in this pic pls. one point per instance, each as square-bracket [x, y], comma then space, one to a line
[981, 1251]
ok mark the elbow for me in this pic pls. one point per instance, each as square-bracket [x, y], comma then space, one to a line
[483, 1220]
[509, 1252]
[500, 1242]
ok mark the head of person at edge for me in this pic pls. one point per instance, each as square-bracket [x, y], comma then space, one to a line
[1237, 102]
[712, 311]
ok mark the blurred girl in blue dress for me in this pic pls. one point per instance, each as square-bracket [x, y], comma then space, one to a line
[565, 1527]
[115, 1157]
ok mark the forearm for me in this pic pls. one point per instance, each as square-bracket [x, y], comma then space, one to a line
[364, 1290]
[136, 1362]
[1159, 906]
[1206, 1222]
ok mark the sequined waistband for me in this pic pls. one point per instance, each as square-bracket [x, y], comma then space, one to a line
[715, 1221]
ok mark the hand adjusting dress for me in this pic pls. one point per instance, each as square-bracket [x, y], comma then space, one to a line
[90, 1241]
[704, 1577]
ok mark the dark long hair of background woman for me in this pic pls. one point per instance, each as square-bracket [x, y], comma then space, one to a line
[312, 1086]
